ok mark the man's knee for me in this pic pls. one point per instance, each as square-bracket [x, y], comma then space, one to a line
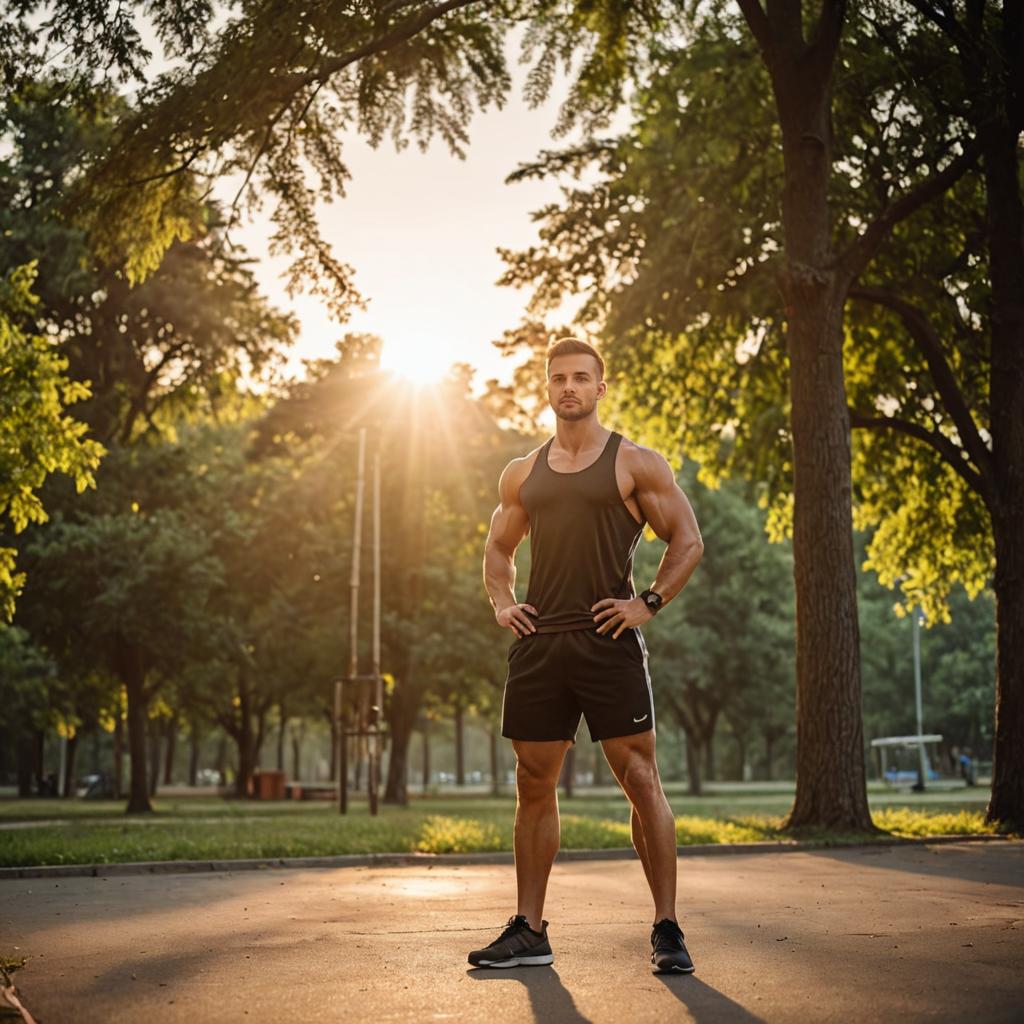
[537, 776]
[640, 780]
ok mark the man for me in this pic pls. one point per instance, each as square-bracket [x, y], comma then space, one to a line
[584, 497]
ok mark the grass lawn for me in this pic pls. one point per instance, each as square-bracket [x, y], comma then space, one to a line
[200, 828]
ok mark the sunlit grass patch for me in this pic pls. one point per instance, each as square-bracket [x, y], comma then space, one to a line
[582, 833]
[907, 821]
[440, 834]
[691, 830]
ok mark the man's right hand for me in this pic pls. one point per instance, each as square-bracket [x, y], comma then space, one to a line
[515, 618]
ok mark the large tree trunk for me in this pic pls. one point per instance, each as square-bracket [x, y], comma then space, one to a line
[244, 738]
[194, 740]
[297, 736]
[133, 676]
[402, 721]
[281, 728]
[495, 762]
[222, 760]
[569, 771]
[118, 755]
[1005, 211]
[68, 782]
[460, 744]
[693, 753]
[708, 742]
[599, 763]
[831, 788]
[171, 730]
[154, 754]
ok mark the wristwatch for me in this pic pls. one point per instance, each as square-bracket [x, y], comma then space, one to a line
[652, 599]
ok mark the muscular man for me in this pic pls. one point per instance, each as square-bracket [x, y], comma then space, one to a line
[584, 497]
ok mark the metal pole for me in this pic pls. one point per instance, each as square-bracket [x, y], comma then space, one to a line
[341, 750]
[922, 756]
[353, 631]
[377, 738]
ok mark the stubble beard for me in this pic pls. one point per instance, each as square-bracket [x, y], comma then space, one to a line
[573, 412]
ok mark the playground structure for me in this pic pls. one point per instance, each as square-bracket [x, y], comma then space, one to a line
[367, 729]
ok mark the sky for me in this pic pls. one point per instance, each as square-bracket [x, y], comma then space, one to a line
[421, 231]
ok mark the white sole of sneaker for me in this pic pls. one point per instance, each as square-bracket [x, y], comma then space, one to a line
[672, 970]
[520, 961]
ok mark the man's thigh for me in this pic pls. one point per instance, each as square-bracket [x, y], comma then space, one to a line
[541, 760]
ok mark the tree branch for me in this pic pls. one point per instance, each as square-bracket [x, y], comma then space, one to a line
[758, 23]
[858, 254]
[397, 35]
[930, 346]
[939, 442]
[828, 32]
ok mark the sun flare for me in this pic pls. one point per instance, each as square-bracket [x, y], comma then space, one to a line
[421, 365]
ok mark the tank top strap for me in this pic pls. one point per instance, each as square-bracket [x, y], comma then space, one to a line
[611, 449]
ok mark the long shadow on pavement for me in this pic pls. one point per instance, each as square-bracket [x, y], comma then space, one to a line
[705, 1004]
[549, 998]
[994, 861]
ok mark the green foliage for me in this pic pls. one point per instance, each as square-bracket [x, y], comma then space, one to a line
[270, 98]
[724, 646]
[37, 436]
[26, 673]
[169, 346]
[671, 230]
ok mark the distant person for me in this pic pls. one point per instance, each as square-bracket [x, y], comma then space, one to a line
[967, 769]
[584, 497]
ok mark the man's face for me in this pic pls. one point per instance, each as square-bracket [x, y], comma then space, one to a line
[573, 387]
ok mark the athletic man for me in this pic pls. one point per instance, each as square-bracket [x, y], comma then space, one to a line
[584, 497]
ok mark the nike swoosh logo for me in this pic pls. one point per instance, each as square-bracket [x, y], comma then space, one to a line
[640, 719]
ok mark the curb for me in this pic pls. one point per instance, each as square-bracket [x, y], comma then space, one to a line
[166, 867]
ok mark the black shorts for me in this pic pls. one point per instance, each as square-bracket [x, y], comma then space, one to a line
[553, 678]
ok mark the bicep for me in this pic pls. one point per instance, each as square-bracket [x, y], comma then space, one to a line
[662, 501]
[509, 521]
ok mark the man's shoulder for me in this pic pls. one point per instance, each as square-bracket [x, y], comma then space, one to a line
[638, 458]
[518, 469]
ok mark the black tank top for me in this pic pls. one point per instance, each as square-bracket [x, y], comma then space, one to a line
[582, 540]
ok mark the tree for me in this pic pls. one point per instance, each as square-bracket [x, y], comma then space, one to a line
[954, 295]
[124, 587]
[37, 436]
[710, 258]
[26, 677]
[171, 343]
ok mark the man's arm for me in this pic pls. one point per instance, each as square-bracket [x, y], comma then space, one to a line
[509, 525]
[671, 517]
[665, 507]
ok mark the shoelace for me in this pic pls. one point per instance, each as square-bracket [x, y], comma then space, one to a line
[667, 934]
[516, 923]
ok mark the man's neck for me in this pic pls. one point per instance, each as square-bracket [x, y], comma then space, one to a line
[575, 436]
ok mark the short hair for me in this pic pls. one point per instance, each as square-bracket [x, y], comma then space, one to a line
[572, 346]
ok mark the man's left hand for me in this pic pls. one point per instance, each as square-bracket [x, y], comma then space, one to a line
[615, 612]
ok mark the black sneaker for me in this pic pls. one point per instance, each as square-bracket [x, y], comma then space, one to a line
[669, 956]
[517, 946]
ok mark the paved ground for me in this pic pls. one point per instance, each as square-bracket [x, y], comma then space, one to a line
[864, 934]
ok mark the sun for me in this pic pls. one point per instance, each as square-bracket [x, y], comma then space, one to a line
[420, 365]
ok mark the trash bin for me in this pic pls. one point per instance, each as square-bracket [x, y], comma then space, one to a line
[270, 785]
